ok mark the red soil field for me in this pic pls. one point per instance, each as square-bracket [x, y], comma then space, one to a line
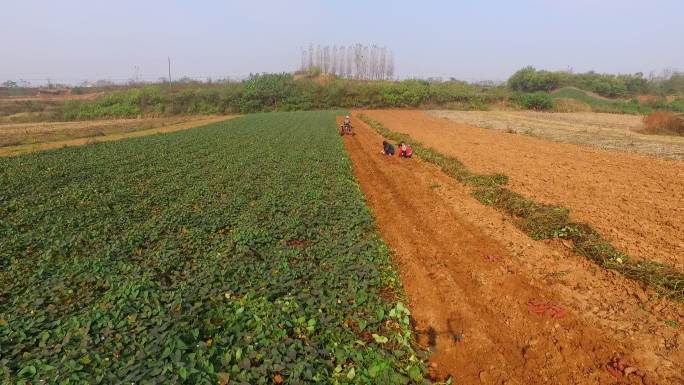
[499, 308]
[636, 202]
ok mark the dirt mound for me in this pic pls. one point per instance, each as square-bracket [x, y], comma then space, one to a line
[496, 307]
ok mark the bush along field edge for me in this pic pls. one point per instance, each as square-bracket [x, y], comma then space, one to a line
[541, 221]
[527, 89]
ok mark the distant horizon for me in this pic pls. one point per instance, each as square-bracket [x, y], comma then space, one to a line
[42, 82]
[75, 40]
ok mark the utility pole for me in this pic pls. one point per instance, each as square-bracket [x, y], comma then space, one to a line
[169, 69]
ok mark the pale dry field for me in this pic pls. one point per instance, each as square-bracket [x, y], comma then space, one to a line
[12, 134]
[21, 138]
[606, 131]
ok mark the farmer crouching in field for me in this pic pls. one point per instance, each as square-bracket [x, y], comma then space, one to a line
[387, 148]
[405, 150]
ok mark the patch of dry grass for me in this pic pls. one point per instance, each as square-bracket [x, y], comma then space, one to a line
[606, 131]
[14, 134]
[65, 134]
[570, 105]
[664, 122]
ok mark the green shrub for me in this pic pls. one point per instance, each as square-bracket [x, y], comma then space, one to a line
[534, 101]
[76, 110]
[603, 105]
[676, 105]
[454, 91]
[313, 71]
[529, 79]
[281, 92]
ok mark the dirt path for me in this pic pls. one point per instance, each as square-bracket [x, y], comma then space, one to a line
[470, 276]
[34, 147]
[636, 202]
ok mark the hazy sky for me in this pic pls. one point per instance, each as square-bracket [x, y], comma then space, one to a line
[73, 40]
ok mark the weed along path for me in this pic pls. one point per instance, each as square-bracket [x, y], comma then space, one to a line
[496, 307]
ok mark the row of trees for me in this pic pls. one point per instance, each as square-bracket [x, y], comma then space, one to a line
[356, 61]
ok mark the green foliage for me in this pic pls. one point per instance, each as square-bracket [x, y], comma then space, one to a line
[409, 93]
[676, 105]
[603, 105]
[279, 92]
[314, 71]
[74, 110]
[237, 251]
[611, 85]
[541, 221]
[530, 79]
[267, 91]
[533, 101]
[673, 84]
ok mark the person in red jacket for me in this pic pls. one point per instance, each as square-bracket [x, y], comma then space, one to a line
[405, 150]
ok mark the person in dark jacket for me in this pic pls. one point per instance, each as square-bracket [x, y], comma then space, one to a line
[387, 148]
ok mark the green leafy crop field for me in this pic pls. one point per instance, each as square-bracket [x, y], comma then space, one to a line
[240, 252]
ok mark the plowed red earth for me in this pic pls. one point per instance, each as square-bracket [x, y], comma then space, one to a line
[498, 308]
[634, 201]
